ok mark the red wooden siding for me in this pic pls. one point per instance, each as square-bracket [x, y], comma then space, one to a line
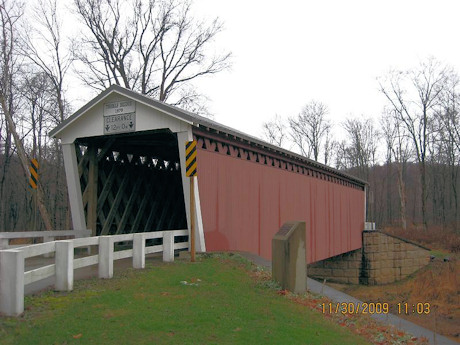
[244, 203]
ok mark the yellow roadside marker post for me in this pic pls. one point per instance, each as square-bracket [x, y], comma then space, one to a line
[190, 171]
[33, 168]
[33, 182]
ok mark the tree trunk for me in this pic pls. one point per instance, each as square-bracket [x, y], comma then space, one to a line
[3, 200]
[389, 204]
[402, 196]
[424, 194]
[25, 164]
[455, 194]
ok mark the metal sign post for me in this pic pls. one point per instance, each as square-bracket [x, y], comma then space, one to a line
[190, 171]
[192, 220]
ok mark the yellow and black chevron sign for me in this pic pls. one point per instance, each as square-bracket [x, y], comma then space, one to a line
[33, 181]
[190, 158]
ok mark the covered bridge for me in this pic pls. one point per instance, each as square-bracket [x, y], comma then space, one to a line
[124, 158]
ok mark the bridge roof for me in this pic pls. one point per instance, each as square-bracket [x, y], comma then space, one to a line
[198, 121]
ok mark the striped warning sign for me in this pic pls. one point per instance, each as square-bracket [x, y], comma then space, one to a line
[190, 158]
[33, 181]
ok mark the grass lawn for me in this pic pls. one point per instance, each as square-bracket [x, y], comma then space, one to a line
[220, 304]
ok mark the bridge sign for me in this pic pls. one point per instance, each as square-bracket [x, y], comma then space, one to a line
[190, 158]
[119, 117]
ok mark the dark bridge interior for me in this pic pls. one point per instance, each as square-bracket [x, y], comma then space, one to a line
[131, 182]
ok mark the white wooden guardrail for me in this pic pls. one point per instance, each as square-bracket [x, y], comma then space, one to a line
[47, 236]
[13, 278]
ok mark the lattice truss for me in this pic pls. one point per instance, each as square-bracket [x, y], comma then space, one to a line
[131, 184]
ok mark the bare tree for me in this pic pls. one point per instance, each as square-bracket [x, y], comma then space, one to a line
[275, 131]
[398, 150]
[448, 120]
[10, 14]
[358, 154]
[448, 110]
[42, 44]
[330, 146]
[309, 128]
[36, 95]
[44, 47]
[414, 96]
[153, 47]
[361, 146]
[342, 158]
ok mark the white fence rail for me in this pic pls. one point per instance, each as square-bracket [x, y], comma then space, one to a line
[13, 278]
[47, 236]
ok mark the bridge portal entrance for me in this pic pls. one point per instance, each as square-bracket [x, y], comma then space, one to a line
[131, 182]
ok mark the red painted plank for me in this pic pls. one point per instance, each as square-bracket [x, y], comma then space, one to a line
[244, 203]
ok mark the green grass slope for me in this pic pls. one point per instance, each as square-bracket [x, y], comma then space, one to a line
[212, 301]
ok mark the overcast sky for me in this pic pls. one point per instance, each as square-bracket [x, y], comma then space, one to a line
[286, 53]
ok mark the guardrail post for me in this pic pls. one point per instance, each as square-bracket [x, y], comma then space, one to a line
[138, 251]
[168, 246]
[48, 239]
[64, 266]
[11, 282]
[4, 243]
[84, 233]
[105, 257]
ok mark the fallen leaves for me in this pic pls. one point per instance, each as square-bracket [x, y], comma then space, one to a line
[193, 282]
[359, 324]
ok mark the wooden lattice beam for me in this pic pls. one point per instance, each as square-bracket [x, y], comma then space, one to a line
[170, 196]
[92, 188]
[107, 186]
[108, 144]
[85, 197]
[178, 207]
[114, 207]
[129, 205]
[141, 209]
[82, 163]
[159, 199]
[110, 198]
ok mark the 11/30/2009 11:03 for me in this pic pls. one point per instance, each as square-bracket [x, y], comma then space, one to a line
[376, 308]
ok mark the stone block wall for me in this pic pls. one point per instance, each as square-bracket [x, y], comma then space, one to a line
[383, 259]
[387, 259]
[343, 268]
